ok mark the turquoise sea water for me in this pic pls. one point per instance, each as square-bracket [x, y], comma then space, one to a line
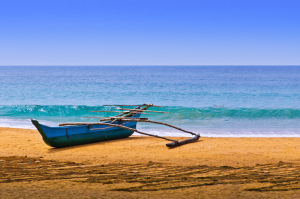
[222, 101]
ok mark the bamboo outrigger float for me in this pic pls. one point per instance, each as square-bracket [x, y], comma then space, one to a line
[109, 128]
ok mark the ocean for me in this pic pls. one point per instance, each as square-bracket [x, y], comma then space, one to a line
[215, 101]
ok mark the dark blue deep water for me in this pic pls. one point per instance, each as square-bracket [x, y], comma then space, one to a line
[212, 100]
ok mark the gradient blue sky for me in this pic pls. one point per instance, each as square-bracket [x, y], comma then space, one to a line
[149, 32]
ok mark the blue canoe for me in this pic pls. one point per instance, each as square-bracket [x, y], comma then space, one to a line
[65, 136]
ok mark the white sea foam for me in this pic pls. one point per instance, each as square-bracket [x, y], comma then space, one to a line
[218, 132]
[292, 132]
[21, 123]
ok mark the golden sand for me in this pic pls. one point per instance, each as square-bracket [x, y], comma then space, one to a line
[143, 167]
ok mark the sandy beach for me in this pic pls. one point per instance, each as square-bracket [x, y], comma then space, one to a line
[143, 167]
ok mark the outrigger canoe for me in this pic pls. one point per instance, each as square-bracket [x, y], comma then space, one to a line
[117, 127]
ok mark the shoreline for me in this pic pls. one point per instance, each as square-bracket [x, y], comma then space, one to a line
[216, 133]
[221, 163]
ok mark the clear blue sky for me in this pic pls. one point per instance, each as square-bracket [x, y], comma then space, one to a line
[149, 32]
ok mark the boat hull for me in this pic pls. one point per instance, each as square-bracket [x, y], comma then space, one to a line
[77, 135]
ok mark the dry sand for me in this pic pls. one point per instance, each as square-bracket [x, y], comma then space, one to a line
[143, 167]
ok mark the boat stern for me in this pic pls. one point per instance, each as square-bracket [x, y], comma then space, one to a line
[41, 131]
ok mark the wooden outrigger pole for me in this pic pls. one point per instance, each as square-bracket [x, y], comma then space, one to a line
[125, 116]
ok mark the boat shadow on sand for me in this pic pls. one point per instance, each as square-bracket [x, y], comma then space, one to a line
[121, 141]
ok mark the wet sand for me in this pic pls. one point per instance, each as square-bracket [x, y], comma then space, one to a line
[143, 167]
